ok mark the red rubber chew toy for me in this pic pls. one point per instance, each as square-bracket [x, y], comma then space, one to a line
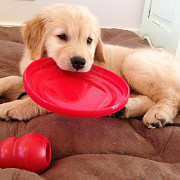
[31, 152]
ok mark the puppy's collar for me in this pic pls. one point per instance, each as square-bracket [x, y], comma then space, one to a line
[21, 95]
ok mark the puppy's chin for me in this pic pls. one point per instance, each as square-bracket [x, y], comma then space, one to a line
[85, 69]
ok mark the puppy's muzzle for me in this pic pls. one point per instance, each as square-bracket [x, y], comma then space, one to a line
[78, 62]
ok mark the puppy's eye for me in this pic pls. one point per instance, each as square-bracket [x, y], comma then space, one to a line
[62, 37]
[89, 40]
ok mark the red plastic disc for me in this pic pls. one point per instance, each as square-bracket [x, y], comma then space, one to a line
[96, 93]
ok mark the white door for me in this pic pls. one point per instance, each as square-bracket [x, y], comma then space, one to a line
[161, 23]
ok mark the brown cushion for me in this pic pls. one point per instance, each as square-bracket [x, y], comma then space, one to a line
[96, 148]
[11, 49]
[122, 38]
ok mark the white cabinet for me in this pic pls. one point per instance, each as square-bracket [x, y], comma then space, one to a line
[161, 23]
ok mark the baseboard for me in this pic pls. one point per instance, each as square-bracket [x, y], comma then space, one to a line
[10, 24]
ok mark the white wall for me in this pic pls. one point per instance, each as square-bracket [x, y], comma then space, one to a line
[125, 14]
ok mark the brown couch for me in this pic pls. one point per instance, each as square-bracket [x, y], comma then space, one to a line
[97, 148]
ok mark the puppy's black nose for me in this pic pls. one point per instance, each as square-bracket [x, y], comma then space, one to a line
[78, 62]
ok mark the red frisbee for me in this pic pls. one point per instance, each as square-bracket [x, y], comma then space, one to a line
[96, 93]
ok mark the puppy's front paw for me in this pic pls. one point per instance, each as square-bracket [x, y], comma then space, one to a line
[158, 116]
[25, 109]
[4, 111]
[11, 110]
[16, 114]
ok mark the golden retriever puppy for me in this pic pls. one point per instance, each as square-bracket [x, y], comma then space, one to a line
[68, 33]
[71, 35]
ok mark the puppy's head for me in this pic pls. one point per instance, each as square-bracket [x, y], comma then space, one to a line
[69, 34]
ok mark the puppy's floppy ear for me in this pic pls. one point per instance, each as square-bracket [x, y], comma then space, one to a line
[33, 34]
[99, 53]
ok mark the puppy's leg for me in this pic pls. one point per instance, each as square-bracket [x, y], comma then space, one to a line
[142, 71]
[24, 109]
[165, 110]
[136, 106]
[11, 87]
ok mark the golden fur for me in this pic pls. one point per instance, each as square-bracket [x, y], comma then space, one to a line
[149, 72]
